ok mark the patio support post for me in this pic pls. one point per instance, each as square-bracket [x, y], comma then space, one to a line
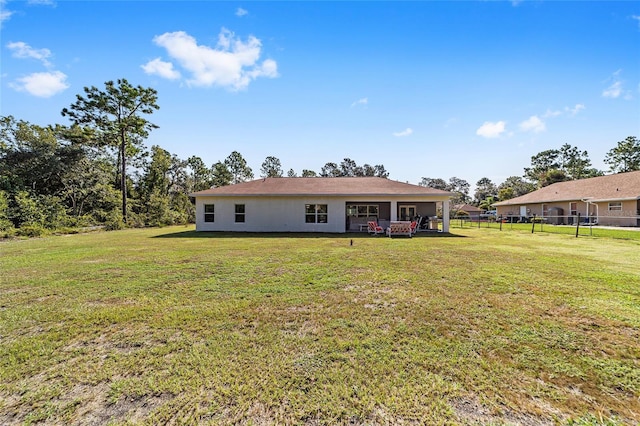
[445, 216]
[394, 210]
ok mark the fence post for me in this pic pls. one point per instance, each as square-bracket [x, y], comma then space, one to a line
[578, 225]
[501, 222]
[533, 223]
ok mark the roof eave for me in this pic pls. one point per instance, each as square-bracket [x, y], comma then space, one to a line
[320, 194]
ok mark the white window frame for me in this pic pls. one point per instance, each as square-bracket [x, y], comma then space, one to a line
[572, 211]
[372, 210]
[615, 206]
[317, 214]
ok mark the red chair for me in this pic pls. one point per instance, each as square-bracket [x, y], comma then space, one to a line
[374, 228]
[414, 227]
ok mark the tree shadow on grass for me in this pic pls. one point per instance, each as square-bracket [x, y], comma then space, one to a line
[348, 235]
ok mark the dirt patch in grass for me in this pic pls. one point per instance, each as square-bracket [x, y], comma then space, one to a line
[470, 410]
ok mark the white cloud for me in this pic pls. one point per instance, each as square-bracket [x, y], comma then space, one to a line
[4, 13]
[241, 12]
[232, 63]
[42, 84]
[23, 51]
[161, 68]
[491, 130]
[551, 113]
[637, 18]
[405, 132]
[570, 111]
[613, 91]
[363, 102]
[533, 124]
[575, 110]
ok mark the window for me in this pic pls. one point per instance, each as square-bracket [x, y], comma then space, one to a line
[573, 209]
[209, 210]
[239, 213]
[545, 210]
[316, 213]
[615, 206]
[407, 212]
[362, 210]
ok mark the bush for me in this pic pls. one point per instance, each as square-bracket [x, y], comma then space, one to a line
[8, 232]
[113, 221]
[32, 231]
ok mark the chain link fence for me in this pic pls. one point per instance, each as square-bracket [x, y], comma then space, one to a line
[570, 225]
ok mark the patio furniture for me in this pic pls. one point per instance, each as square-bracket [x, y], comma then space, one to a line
[399, 228]
[374, 228]
[414, 227]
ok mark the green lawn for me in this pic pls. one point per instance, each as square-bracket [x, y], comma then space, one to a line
[162, 326]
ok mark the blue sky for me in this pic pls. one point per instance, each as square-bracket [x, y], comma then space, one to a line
[429, 89]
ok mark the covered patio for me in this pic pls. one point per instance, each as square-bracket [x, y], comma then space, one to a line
[359, 213]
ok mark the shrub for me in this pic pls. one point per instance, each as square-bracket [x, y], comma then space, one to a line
[113, 221]
[32, 231]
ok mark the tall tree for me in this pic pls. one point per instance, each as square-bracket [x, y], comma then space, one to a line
[555, 165]
[485, 188]
[436, 183]
[625, 157]
[292, 173]
[575, 163]
[552, 176]
[514, 186]
[308, 173]
[116, 113]
[200, 177]
[330, 170]
[348, 167]
[237, 165]
[541, 163]
[33, 158]
[380, 171]
[220, 175]
[271, 167]
[460, 188]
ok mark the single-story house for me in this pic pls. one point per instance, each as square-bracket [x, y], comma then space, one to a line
[316, 204]
[468, 210]
[612, 200]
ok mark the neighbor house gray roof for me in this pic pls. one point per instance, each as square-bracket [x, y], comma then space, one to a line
[468, 208]
[335, 186]
[621, 186]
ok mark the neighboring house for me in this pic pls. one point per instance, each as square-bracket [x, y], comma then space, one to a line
[608, 200]
[467, 210]
[340, 204]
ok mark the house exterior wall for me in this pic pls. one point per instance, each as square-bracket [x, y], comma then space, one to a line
[282, 213]
[627, 216]
[269, 214]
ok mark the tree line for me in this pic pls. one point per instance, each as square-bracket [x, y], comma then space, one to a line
[98, 171]
[547, 167]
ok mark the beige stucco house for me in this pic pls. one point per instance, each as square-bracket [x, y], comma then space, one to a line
[612, 200]
[317, 204]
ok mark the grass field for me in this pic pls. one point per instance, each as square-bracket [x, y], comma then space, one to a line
[166, 326]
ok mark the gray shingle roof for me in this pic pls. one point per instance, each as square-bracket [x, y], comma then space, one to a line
[322, 186]
[621, 186]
